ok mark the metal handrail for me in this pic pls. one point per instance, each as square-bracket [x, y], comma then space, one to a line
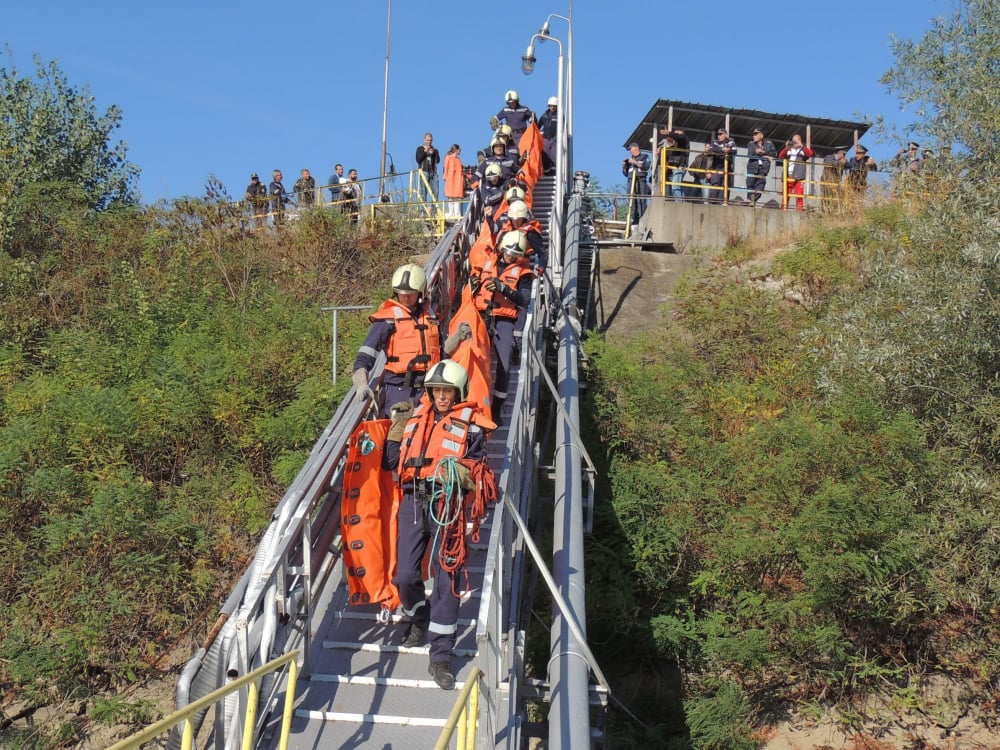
[186, 715]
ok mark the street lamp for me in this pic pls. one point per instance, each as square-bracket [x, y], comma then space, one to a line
[567, 106]
[527, 67]
[528, 59]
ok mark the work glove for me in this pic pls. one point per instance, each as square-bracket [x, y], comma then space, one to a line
[451, 343]
[465, 478]
[494, 123]
[361, 390]
[495, 285]
[474, 283]
[400, 414]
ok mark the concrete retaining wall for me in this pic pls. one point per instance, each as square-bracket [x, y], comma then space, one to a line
[693, 225]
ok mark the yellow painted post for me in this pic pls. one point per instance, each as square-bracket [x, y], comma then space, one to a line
[187, 741]
[250, 717]
[286, 717]
[473, 716]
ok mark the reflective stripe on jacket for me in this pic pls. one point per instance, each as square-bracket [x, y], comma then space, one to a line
[426, 441]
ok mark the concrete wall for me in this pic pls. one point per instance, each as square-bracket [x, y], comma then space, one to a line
[692, 225]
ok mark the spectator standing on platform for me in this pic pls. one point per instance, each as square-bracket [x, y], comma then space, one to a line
[831, 187]
[428, 158]
[796, 155]
[699, 169]
[720, 180]
[636, 168]
[305, 189]
[256, 198]
[677, 147]
[454, 182]
[350, 194]
[908, 159]
[277, 192]
[335, 181]
[858, 167]
[760, 153]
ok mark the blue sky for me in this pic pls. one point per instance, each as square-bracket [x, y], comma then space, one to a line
[232, 88]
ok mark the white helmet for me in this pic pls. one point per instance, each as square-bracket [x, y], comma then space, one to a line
[409, 278]
[514, 242]
[448, 374]
[518, 210]
[511, 96]
[493, 170]
[497, 142]
[553, 101]
[505, 130]
[514, 194]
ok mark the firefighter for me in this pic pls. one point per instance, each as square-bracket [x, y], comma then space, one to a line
[502, 290]
[518, 217]
[424, 447]
[409, 333]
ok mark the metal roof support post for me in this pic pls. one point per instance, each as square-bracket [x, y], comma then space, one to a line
[568, 668]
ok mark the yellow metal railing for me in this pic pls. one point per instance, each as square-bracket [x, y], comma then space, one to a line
[186, 715]
[463, 717]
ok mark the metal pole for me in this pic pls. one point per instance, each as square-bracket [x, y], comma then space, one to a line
[558, 207]
[568, 666]
[336, 311]
[385, 114]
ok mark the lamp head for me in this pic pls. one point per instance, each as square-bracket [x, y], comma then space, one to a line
[544, 31]
[528, 60]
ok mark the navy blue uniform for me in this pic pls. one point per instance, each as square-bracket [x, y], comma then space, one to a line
[438, 617]
[519, 118]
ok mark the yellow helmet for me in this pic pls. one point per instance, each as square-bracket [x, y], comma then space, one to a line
[517, 209]
[494, 170]
[514, 242]
[515, 193]
[409, 278]
[448, 374]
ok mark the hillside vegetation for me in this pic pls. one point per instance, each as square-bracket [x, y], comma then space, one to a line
[803, 476]
[163, 376]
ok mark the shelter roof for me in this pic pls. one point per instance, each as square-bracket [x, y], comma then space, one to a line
[701, 121]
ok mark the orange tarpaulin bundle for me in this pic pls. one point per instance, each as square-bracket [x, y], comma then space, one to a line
[368, 522]
[474, 353]
[481, 248]
[531, 143]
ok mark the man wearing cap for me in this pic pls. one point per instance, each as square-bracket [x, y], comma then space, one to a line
[908, 159]
[548, 124]
[256, 198]
[760, 153]
[720, 179]
[636, 169]
[674, 159]
[857, 169]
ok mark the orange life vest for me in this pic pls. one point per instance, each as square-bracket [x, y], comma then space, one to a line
[494, 302]
[415, 344]
[425, 442]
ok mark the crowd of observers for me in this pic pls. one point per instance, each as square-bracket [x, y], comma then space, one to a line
[273, 201]
[708, 175]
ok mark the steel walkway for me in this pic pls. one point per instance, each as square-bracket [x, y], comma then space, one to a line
[358, 687]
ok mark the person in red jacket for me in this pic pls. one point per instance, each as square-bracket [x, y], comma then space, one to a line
[796, 156]
[454, 183]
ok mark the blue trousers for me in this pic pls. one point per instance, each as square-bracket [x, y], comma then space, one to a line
[439, 615]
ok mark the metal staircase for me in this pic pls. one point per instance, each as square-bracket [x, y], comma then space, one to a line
[358, 687]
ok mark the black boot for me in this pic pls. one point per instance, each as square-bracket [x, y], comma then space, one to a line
[442, 674]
